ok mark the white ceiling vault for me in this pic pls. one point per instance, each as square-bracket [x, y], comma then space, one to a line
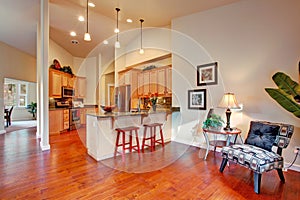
[18, 19]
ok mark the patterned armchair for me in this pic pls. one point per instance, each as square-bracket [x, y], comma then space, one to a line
[256, 154]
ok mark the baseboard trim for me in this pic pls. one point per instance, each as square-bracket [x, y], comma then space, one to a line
[293, 167]
[44, 147]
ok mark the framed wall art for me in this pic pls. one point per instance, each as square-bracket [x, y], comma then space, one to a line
[207, 74]
[197, 99]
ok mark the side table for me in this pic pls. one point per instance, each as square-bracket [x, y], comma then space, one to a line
[219, 143]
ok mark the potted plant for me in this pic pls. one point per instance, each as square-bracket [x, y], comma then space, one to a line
[214, 122]
[32, 108]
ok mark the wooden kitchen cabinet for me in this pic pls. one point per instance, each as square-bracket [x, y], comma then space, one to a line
[121, 78]
[140, 84]
[153, 81]
[158, 80]
[161, 81]
[146, 79]
[164, 80]
[59, 121]
[56, 121]
[66, 121]
[169, 80]
[131, 78]
[67, 80]
[55, 83]
[82, 116]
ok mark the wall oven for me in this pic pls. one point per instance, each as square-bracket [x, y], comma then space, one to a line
[74, 118]
[68, 92]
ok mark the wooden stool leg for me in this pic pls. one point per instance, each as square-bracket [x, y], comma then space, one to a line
[117, 143]
[153, 138]
[161, 136]
[130, 141]
[124, 143]
[152, 135]
[137, 141]
[144, 139]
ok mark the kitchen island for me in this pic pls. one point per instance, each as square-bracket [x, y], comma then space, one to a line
[101, 134]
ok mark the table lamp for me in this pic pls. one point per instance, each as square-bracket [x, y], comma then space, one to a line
[229, 102]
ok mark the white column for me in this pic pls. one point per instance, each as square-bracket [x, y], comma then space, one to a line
[43, 76]
[2, 130]
[38, 79]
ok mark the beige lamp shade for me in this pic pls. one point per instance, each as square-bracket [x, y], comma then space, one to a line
[229, 101]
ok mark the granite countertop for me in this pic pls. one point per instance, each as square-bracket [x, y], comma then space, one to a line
[66, 108]
[102, 114]
[116, 114]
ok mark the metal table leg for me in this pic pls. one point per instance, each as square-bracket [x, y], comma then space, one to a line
[207, 144]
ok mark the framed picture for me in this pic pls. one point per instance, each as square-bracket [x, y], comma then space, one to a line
[207, 74]
[197, 99]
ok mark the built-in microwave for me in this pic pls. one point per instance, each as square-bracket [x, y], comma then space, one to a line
[68, 92]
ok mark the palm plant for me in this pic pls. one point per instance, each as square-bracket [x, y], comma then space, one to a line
[32, 108]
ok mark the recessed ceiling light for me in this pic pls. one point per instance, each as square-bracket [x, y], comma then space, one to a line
[105, 42]
[129, 20]
[74, 41]
[72, 33]
[81, 18]
[91, 4]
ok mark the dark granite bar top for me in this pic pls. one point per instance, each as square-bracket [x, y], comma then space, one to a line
[121, 114]
[65, 108]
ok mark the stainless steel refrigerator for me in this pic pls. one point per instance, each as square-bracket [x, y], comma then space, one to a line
[123, 98]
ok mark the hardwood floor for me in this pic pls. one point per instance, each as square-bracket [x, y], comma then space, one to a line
[175, 172]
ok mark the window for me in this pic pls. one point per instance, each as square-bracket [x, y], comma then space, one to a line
[22, 95]
[15, 94]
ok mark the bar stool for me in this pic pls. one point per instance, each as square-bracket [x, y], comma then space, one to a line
[123, 142]
[152, 137]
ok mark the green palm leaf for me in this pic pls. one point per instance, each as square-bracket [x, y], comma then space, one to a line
[285, 100]
[285, 83]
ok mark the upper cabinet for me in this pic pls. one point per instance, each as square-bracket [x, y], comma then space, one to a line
[55, 83]
[151, 79]
[158, 80]
[130, 77]
[67, 80]
[161, 80]
[164, 80]
[169, 80]
[146, 83]
[58, 79]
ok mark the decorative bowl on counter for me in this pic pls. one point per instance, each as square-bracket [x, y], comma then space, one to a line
[107, 108]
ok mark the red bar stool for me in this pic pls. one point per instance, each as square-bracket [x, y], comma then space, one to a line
[152, 137]
[123, 142]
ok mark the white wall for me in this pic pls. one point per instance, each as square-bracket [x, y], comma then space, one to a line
[59, 53]
[251, 40]
[89, 67]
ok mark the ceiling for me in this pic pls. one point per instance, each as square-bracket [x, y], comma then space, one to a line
[18, 20]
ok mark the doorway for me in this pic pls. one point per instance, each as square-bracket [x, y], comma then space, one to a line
[19, 94]
[111, 94]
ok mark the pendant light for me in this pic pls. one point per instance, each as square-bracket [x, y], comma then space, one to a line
[117, 44]
[141, 49]
[87, 36]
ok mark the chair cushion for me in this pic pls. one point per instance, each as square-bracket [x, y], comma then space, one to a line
[254, 158]
[262, 134]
